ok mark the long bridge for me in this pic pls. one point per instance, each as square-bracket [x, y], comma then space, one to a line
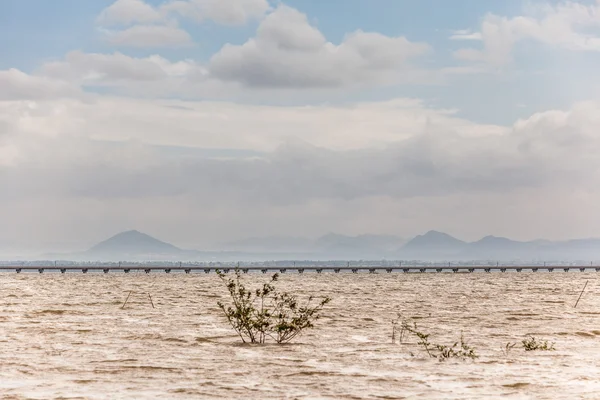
[296, 269]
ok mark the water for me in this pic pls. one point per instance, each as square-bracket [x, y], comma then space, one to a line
[66, 336]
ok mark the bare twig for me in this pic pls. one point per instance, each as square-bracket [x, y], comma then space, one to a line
[127, 299]
[581, 294]
[151, 302]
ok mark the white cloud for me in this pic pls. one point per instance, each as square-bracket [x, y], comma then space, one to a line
[465, 34]
[368, 166]
[17, 85]
[321, 166]
[149, 36]
[288, 52]
[145, 26]
[92, 67]
[128, 12]
[569, 25]
[148, 77]
[399, 149]
[227, 12]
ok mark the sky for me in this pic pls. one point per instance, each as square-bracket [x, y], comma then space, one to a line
[208, 121]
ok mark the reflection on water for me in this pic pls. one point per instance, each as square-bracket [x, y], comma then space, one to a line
[67, 336]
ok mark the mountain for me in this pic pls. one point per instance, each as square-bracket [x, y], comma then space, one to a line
[493, 247]
[579, 249]
[433, 245]
[434, 239]
[440, 246]
[329, 246]
[132, 244]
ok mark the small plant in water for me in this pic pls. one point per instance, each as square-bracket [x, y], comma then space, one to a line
[532, 344]
[508, 347]
[464, 351]
[441, 352]
[266, 312]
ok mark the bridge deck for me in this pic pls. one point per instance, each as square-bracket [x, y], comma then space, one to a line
[318, 269]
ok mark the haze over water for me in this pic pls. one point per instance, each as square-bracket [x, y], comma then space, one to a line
[66, 336]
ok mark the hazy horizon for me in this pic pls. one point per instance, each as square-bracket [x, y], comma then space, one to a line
[432, 245]
[78, 246]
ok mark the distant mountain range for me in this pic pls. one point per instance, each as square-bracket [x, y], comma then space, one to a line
[441, 246]
[433, 245]
[331, 245]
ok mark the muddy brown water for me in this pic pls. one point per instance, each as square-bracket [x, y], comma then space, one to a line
[66, 336]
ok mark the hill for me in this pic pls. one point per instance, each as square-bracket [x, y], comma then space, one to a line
[433, 245]
[132, 244]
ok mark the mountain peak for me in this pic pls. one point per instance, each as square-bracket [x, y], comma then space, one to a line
[129, 233]
[132, 242]
[434, 239]
[433, 233]
[492, 238]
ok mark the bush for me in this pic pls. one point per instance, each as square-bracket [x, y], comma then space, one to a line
[266, 312]
[441, 352]
[532, 344]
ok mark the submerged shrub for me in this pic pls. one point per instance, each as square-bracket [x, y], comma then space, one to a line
[532, 344]
[266, 312]
[464, 351]
[441, 352]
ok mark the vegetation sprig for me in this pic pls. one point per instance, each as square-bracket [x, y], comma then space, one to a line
[532, 344]
[459, 349]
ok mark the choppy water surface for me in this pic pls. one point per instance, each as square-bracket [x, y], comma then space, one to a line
[66, 336]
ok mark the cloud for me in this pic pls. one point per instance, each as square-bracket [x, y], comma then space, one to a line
[128, 12]
[145, 26]
[114, 69]
[149, 36]
[123, 162]
[226, 12]
[17, 85]
[148, 26]
[286, 53]
[465, 34]
[570, 25]
[289, 52]
[116, 148]
[397, 166]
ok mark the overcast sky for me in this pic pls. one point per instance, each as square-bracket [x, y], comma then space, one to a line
[205, 121]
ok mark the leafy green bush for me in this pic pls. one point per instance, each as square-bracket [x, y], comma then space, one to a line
[266, 312]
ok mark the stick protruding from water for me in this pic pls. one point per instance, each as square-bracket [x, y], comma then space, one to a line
[581, 294]
[127, 299]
